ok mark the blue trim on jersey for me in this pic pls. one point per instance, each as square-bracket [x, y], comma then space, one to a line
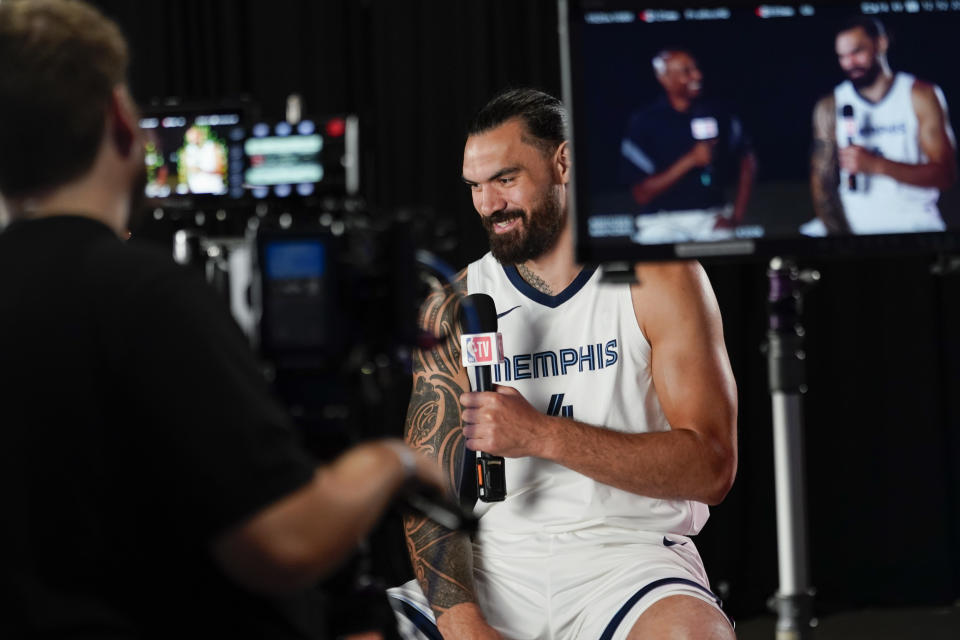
[422, 622]
[870, 102]
[625, 609]
[540, 297]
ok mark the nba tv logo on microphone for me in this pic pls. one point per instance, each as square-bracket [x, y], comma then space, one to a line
[481, 349]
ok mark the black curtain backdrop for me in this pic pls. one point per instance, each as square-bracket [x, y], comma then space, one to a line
[883, 335]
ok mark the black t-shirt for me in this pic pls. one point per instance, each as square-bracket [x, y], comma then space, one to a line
[134, 427]
[659, 135]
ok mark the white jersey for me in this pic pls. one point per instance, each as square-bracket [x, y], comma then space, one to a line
[888, 128]
[582, 355]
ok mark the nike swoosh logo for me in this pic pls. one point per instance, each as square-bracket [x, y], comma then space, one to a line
[500, 315]
[667, 542]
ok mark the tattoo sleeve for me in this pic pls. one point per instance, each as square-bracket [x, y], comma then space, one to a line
[441, 559]
[825, 169]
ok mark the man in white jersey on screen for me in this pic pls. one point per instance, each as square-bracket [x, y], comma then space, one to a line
[615, 410]
[890, 136]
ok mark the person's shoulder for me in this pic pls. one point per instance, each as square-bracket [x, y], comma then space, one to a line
[676, 275]
[648, 115]
[145, 278]
[667, 292]
[826, 104]
[928, 101]
[661, 285]
[117, 263]
[659, 105]
[458, 285]
[827, 99]
[923, 89]
[438, 312]
[824, 115]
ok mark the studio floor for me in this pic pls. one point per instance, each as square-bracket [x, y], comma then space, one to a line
[929, 623]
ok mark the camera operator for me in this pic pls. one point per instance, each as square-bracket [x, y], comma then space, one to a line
[151, 486]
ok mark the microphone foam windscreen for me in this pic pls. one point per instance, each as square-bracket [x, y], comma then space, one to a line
[478, 314]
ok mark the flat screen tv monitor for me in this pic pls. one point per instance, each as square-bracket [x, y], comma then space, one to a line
[194, 153]
[311, 157]
[297, 293]
[733, 131]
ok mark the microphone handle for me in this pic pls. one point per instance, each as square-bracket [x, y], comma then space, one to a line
[851, 177]
[491, 473]
[706, 173]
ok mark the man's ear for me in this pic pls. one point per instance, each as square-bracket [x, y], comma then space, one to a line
[562, 162]
[122, 121]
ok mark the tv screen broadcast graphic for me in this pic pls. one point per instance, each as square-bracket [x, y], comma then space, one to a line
[303, 159]
[194, 154]
[720, 131]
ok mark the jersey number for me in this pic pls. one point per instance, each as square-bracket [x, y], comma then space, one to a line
[557, 408]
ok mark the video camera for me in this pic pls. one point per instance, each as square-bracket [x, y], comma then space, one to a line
[326, 289]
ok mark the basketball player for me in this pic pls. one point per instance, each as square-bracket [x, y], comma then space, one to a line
[890, 137]
[615, 409]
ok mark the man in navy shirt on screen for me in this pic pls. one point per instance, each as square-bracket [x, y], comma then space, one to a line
[681, 154]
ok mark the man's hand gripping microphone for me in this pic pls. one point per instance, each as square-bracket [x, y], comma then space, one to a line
[480, 347]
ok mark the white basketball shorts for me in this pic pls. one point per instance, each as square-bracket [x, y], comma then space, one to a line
[592, 583]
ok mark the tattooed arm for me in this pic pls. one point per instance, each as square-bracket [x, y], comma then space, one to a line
[824, 165]
[442, 559]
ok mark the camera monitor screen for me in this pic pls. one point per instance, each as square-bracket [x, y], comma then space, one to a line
[305, 159]
[800, 129]
[295, 290]
[193, 153]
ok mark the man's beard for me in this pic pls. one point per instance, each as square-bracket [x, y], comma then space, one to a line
[869, 76]
[538, 232]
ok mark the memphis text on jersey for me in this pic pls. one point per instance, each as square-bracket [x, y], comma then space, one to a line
[545, 364]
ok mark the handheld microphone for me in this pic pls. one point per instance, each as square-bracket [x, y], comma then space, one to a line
[850, 127]
[480, 347]
[703, 129]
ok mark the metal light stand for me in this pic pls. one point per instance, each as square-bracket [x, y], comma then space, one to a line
[793, 601]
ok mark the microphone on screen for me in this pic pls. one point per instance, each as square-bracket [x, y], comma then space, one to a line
[850, 128]
[705, 129]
